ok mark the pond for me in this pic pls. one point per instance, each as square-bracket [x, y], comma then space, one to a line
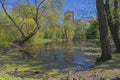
[55, 58]
[63, 56]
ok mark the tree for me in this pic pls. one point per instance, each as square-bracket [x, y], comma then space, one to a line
[92, 31]
[31, 16]
[104, 38]
[52, 28]
[113, 22]
[24, 37]
[81, 27]
[69, 30]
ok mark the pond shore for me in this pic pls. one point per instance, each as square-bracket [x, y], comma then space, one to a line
[12, 66]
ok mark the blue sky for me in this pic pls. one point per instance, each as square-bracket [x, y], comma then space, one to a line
[82, 8]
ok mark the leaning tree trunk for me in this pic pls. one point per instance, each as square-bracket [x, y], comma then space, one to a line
[23, 40]
[113, 22]
[32, 33]
[104, 37]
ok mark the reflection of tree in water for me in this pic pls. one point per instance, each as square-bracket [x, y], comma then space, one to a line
[61, 57]
[26, 54]
[59, 52]
[58, 55]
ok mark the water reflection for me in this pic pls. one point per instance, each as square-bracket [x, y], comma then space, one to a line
[62, 55]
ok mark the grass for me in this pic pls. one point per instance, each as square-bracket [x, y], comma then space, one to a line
[95, 41]
[110, 68]
[14, 78]
[29, 68]
[42, 41]
[34, 40]
[4, 76]
[106, 70]
[39, 41]
[5, 44]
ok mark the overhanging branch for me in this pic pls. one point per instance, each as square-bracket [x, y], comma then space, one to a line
[3, 6]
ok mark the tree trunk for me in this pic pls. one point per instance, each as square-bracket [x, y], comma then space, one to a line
[12, 20]
[66, 36]
[31, 34]
[113, 22]
[104, 37]
[23, 40]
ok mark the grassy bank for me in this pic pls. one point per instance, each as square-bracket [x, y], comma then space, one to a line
[11, 60]
[40, 41]
[109, 70]
[33, 41]
[30, 69]
[95, 41]
[5, 44]
[7, 77]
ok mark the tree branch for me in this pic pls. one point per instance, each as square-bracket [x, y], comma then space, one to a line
[3, 6]
[37, 10]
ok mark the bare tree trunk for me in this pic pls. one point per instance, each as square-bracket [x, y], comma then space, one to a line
[113, 22]
[104, 37]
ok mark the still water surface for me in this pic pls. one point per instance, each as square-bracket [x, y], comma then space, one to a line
[63, 56]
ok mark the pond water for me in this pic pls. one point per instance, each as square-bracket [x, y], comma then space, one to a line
[61, 56]
[50, 59]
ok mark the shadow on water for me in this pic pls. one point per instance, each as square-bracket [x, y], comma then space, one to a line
[62, 56]
[58, 58]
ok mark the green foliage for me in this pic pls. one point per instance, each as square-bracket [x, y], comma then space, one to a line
[92, 31]
[3, 18]
[24, 15]
[81, 26]
[95, 41]
[28, 25]
[6, 36]
[39, 41]
[27, 11]
[69, 30]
